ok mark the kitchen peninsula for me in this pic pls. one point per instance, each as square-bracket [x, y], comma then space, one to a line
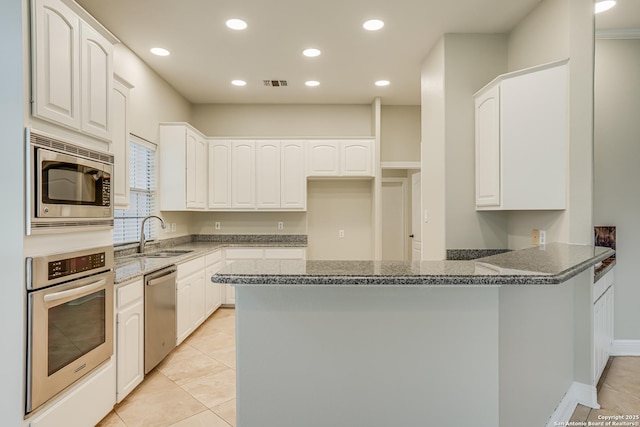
[498, 341]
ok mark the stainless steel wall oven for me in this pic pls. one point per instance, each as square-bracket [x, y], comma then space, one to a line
[69, 320]
[69, 185]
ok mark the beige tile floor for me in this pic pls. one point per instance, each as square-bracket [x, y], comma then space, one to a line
[618, 393]
[195, 386]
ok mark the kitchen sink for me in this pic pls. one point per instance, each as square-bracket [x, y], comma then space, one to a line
[167, 253]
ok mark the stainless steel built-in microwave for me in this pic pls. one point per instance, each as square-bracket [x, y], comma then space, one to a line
[70, 185]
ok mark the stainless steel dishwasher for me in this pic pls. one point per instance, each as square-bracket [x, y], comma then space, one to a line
[159, 316]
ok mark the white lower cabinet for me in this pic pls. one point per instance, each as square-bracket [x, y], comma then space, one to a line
[129, 337]
[213, 291]
[236, 254]
[196, 296]
[189, 297]
[602, 323]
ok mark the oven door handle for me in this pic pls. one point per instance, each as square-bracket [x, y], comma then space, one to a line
[75, 292]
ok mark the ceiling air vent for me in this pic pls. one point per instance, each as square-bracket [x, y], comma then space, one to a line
[275, 83]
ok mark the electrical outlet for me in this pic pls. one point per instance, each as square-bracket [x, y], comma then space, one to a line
[535, 237]
[217, 225]
[542, 237]
[280, 225]
[341, 234]
[173, 227]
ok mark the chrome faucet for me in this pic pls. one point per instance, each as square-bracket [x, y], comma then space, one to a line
[142, 239]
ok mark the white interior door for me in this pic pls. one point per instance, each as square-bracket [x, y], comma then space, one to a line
[394, 219]
[416, 223]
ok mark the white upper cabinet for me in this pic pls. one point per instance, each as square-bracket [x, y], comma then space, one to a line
[120, 142]
[336, 158]
[268, 174]
[96, 57]
[324, 158]
[521, 140]
[293, 179]
[183, 168]
[72, 70]
[257, 175]
[356, 158]
[243, 175]
[219, 174]
[196, 170]
[56, 63]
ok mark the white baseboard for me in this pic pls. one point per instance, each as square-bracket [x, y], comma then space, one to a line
[625, 348]
[578, 393]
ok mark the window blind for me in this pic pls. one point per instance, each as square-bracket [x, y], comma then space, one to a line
[142, 196]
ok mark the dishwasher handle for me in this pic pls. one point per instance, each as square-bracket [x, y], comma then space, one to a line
[161, 276]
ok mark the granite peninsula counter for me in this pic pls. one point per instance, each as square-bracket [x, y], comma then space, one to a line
[550, 264]
[500, 341]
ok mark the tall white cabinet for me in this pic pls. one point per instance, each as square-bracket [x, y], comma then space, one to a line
[521, 140]
[183, 168]
[72, 70]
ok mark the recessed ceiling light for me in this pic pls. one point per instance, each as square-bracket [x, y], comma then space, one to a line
[373, 24]
[312, 83]
[238, 82]
[601, 6]
[236, 24]
[160, 51]
[311, 52]
[382, 83]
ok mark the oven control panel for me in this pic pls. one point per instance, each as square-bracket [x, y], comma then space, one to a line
[48, 270]
[71, 266]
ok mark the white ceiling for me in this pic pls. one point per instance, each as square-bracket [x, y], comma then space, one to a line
[206, 55]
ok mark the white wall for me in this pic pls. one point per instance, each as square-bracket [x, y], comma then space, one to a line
[13, 20]
[555, 30]
[471, 61]
[334, 205]
[433, 154]
[457, 67]
[248, 222]
[282, 120]
[617, 129]
[400, 133]
[152, 99]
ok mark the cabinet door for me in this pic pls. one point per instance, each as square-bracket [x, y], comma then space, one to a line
[243, 175]
[197, 300]
[213, 291]
[293, 182]
[96, 57]
[130, 348]
[268, 175]
[56, 68]
[488, 148]
[196, 170]
[183, 308]
[356, 158]
[323, 158]
[219, 174]
[120, 145]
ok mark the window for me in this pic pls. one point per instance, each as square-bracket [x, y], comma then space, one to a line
[142, 197]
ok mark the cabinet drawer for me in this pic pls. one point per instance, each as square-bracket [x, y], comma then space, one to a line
[187, 268]
[603, 284]
[128, 293]
[284, 253]
[213, 257]
[244, 253]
